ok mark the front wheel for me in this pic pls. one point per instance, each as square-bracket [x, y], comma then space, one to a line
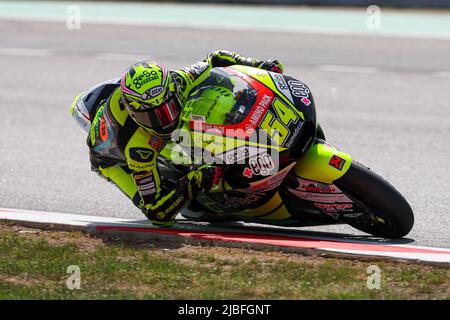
[387, 213]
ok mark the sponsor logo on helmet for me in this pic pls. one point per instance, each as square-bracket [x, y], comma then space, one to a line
[153, 92]
[144, 78]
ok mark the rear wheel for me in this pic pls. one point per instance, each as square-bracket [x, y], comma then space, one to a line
[386, 212]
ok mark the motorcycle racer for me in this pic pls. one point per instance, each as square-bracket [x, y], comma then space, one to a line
[132, 120]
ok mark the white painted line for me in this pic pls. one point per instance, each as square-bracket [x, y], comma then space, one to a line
[230, 27]
[442, 74]
[29, 52]
[25, 52]
[226, 236]
[343, 68]
[66, 218]
[122, 57]
[440, 258]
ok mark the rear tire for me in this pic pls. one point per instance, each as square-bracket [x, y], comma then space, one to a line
[380, 199]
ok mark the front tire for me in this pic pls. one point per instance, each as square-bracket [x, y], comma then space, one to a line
[388, 214]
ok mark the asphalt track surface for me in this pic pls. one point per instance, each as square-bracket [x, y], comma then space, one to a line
[389, 109]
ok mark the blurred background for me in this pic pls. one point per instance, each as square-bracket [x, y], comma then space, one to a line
[379, 72]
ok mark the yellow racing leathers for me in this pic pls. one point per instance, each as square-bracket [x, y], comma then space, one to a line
[126, 154]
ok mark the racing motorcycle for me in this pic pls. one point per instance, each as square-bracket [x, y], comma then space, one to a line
[277, 168]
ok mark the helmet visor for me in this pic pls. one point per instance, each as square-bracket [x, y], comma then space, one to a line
[157, 117]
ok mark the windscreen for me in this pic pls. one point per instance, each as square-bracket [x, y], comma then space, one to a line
[223, 98]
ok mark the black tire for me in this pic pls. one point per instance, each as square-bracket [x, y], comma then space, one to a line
[379, 199]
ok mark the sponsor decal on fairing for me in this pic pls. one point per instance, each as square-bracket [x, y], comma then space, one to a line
[334, 207]
[298, 89]
[238, 155]
[260, 109]
[318, 197]
[281, 85]
[81, 116]
[313, 186]
[337, 162]
[294, 134]
[260, 165]
[270, 183]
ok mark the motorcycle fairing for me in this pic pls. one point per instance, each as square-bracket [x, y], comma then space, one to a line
[323, 163]
[270, 80]
[292, 95]
[270, 109]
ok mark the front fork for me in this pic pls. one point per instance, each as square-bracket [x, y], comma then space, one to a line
[320, 134]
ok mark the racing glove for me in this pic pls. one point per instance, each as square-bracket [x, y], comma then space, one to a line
[207, 177]
[272, 65]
